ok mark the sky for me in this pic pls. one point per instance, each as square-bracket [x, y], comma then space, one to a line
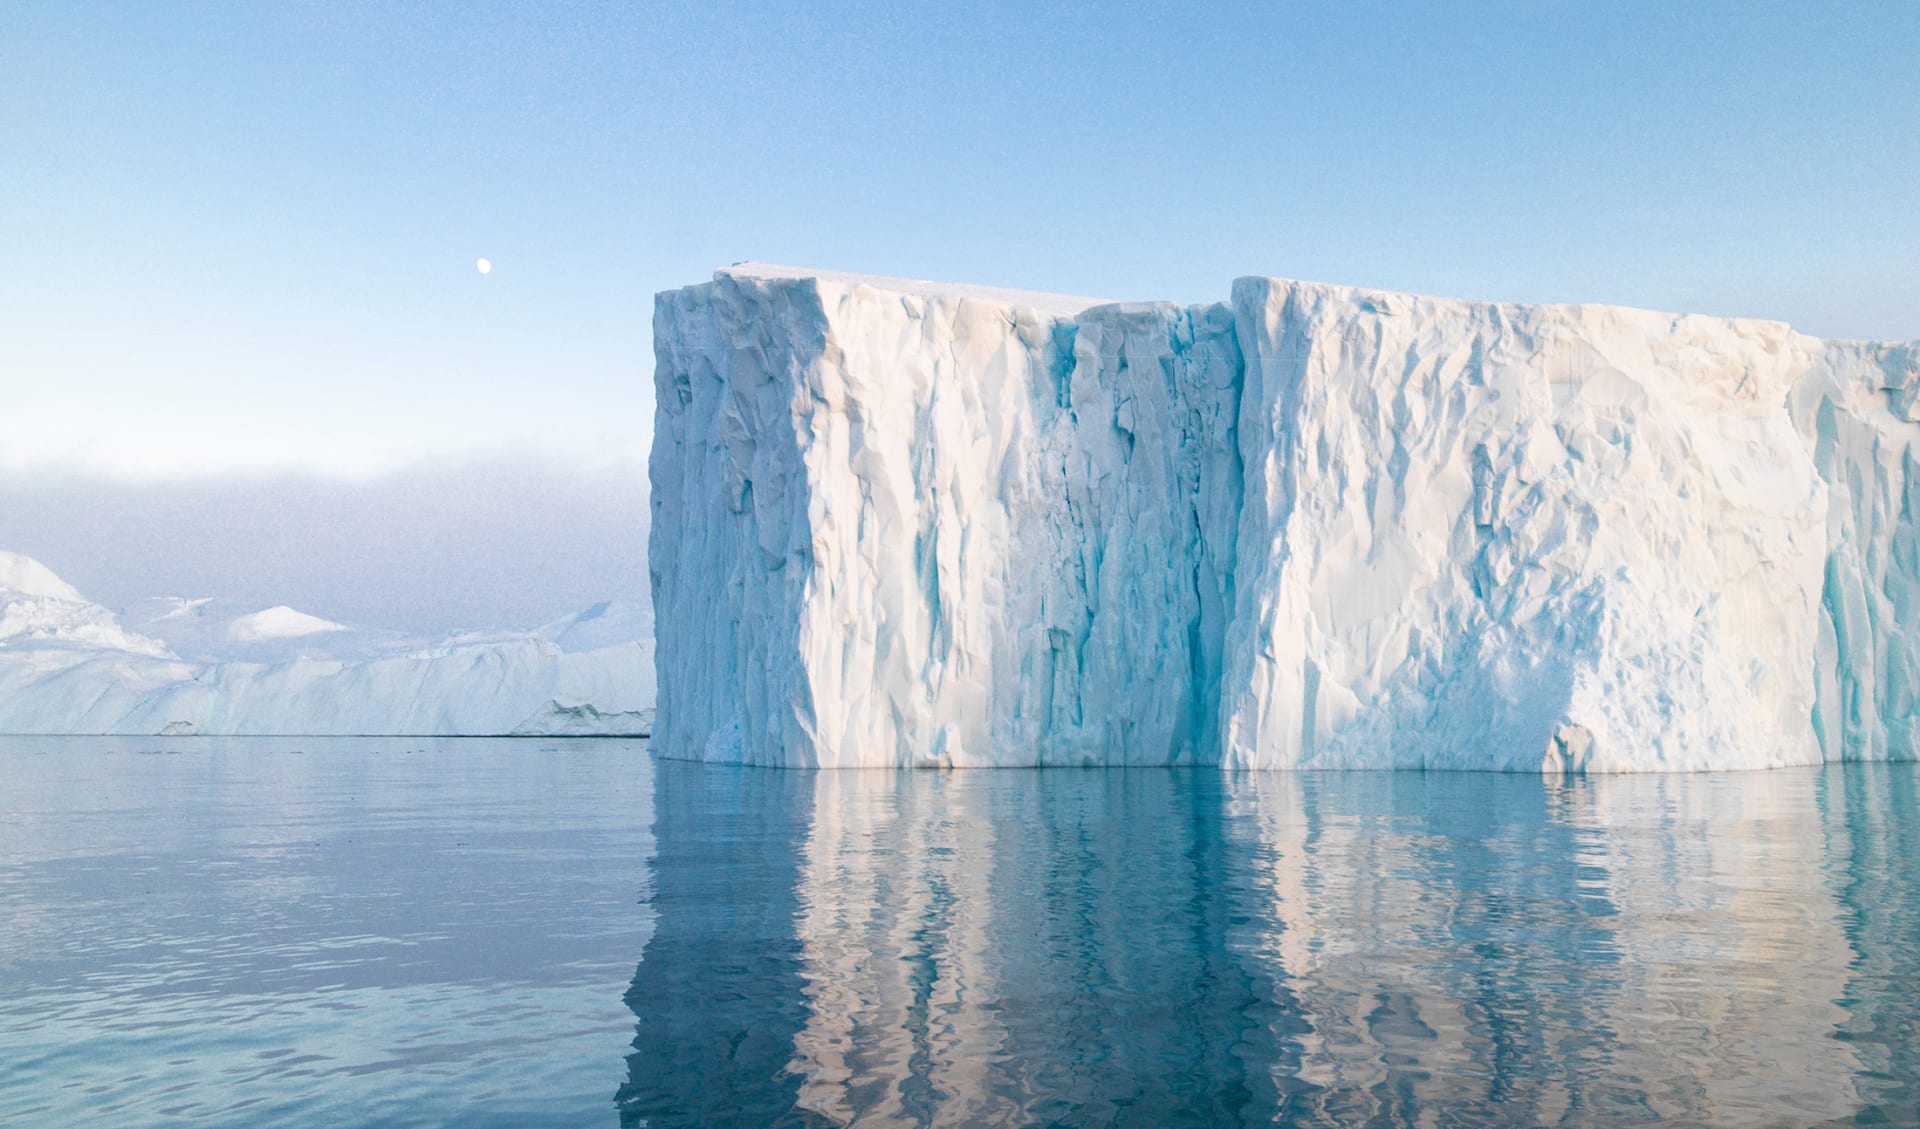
[438, 546]
[238, 241]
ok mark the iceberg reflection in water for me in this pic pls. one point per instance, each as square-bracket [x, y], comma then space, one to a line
[1167, 947]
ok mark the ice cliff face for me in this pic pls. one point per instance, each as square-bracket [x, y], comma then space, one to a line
[888, 534]
[1485, 536]
[905, 524]
[1858, 408]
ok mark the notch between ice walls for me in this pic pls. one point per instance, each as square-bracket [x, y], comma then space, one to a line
[904, 524]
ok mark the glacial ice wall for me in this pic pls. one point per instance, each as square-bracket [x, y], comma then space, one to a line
[900, 524]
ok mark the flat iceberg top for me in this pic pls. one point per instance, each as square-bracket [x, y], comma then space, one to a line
[1366, 298]
[1435, 307]
[1000, 296]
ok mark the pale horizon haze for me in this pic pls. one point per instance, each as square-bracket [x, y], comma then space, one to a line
[246, 348]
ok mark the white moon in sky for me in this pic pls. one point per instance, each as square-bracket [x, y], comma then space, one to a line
[485, 265]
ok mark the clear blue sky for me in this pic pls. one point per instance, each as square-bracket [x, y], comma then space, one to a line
[239, 239]
[244, 234]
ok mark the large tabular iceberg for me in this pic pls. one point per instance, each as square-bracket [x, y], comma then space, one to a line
[899, 523]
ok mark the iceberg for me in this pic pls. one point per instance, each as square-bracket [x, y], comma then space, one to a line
[901, 523]
[177, 667]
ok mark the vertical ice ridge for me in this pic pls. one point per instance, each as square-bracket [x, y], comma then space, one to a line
[1855, 409]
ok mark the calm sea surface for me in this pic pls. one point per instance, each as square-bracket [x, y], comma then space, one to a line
[523, 933]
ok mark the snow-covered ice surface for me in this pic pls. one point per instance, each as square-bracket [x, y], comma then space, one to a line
[1314, 526]
[209, 666]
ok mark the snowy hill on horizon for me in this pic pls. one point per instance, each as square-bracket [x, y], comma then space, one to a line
[210, 665]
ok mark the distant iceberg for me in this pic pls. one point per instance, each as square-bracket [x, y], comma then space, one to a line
[902, 523]
[179, 667]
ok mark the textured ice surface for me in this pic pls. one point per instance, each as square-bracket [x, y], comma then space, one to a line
[1475, 535]
[208, 666]
[1857, 407]
[1315, 526]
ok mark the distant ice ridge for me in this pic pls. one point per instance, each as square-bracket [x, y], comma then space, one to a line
[897, 523]
[209, 666]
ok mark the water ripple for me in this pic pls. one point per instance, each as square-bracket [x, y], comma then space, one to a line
[476, 933]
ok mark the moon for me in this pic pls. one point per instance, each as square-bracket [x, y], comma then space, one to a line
[485, 266]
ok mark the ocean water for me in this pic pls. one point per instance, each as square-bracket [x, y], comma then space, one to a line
[495, 933]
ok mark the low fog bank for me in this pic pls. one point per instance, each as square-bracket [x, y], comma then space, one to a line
[441, 546]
